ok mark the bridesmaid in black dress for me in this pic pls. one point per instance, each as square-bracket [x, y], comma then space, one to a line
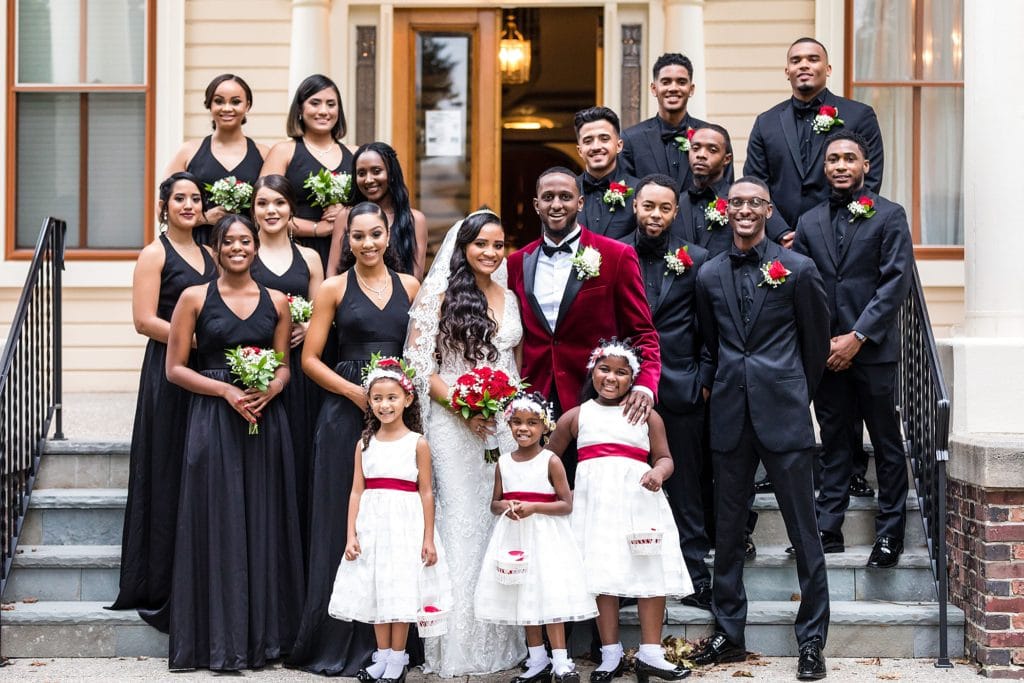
[369, 305]
[285, 266]
[166, 267]
[237, 566]
[379, 179]
[316, 124]
[228, 152]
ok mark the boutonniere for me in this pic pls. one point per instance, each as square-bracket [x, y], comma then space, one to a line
[587, 263]
[679, 261]
[774, 274]
[826, 118]
[861, 208]
[715, 212]
[683, 141]
[616, 194]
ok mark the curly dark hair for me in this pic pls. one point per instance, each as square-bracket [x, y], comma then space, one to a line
[588, 392]
[410, 416]
[348, 259]
[465, 328]
[403, 230]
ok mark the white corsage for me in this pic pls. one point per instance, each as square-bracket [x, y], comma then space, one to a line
[587, 263]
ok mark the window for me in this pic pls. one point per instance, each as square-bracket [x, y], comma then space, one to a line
[81, 108]
[905, 58]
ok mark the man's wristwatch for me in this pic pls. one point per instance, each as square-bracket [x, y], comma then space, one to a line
[860, 337]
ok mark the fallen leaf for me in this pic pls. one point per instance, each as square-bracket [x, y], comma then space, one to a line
[873, 662]
[889, 677]
[742, 673]
[140, 658]
[30, 601]
[795, 597]
[7, 607]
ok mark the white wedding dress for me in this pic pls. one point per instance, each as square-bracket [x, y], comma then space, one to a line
[463, 485]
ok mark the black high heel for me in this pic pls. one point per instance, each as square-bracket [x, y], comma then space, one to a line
[645, 671]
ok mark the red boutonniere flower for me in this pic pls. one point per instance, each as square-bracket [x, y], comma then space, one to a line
[616, 195]
[715, 213]
[684, 142]
[826, 118]
[774, 274]
[679, 261]
[861, 208]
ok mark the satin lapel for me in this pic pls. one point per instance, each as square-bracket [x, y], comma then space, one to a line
[725, 274]
[792, 138]
[529, 275]
[828, 234]
[851, 233]
[573, 286]
[658, 149]
[668, 278]
[761, 292]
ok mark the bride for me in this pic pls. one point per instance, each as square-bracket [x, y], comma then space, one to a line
[463, 318]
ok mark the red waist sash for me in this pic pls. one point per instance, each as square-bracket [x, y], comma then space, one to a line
[530, 496]
[606, 450]
[393, 484]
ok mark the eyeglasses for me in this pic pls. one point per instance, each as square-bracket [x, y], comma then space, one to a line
[754, 202]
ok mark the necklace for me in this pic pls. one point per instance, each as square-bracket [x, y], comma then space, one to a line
[319, 152]
[378, 292]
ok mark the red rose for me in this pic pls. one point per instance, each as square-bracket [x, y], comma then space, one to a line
[473, 398]
[253, 349]
[721, 204]
[431, 609]
[484, 373]
[684, 257]
[239, 182]
[617, 187]
[866, 202]
[826, 110]
[388, 363]
[689, 133]
[777, 271]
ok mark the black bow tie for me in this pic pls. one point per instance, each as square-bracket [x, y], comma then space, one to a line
[651, 246]
[591, 185]
[804, 108]
[837, 200]
[668, 136]
[551, 251]
[741, 257]
[697, 194]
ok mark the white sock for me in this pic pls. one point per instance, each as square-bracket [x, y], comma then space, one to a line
[536, 661]
[654, 655]
[561, 662]
[380, 662]
[396, 662]
[610, 656]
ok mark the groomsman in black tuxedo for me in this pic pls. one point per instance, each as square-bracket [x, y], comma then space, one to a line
[660, 144]
[702, 217]
[786, 147]
[764, 316]
[670, 283]
[606, 189]
[862, 246]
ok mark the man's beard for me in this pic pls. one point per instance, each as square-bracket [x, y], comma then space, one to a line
[557, 235]
[701, 179]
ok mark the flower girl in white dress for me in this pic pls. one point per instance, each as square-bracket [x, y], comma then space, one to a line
[394, 565]
[532, 568]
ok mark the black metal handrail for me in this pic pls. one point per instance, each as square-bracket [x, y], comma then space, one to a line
[924, 409]
[30, 385]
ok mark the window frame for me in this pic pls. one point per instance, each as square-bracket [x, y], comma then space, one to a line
[11, 251]
[916, 85]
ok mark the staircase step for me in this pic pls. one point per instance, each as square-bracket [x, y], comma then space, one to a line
[856, 629]
[65, 572]
[75, 517]
[858, 528]
[77, 629]
[84, 464]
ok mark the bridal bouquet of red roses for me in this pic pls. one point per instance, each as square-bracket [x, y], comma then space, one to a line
[483, 391]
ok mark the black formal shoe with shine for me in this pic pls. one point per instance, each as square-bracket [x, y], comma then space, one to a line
[644, 672]
[859, 487]
[885, 553]
[700, 598]
[811, 665]
[568, 677]
[605, 676]
[364, 676]
[749, 549]
[830, 543]
[542, 676]
[400, 679]
[719, 650]
[764, 486]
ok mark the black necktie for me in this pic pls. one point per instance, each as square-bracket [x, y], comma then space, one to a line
[805, 112]
[746, 288]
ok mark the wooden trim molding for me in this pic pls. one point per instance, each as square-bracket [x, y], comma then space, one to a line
[632, 74]
[366, 82]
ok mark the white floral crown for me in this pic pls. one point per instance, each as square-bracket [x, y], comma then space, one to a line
[533, 403]
[615, 348]
[388, 367]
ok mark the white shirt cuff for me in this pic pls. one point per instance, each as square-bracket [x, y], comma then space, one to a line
[646, 390]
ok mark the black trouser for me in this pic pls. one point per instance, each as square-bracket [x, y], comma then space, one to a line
[793, 475]
[685, 488]
[865, 391]
[859, 464]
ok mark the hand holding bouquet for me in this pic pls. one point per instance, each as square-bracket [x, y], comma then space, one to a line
[231, 194]
[485, 392]
[254, 368]
[326, 188]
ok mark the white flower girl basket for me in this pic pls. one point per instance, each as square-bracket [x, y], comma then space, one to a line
[432, 618]
[645, 539]
[513, 560]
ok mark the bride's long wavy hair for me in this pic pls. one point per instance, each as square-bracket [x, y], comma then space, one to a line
[465, 328]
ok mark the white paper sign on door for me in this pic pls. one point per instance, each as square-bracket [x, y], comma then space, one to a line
[445, 136]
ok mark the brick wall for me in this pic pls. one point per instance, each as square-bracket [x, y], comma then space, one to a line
[986, 574]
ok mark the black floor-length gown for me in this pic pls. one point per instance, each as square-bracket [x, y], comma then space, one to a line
[207, 169]
[326, 645]
[302, 164]
[238, 579]
[158, 441]
[301, 396]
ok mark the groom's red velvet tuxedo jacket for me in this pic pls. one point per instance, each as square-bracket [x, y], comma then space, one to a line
[613, 304]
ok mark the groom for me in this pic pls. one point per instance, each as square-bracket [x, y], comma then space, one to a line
[570, 300]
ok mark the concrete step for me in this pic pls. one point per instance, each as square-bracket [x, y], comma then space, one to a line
[856, 629]
[64, 573]
[75, 517]
[77, 629]
[858, 528]
[84, 464]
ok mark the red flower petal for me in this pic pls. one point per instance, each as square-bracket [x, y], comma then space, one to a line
[866, 202]
[516, 553]
[689, 133]
[616, 187]
[826, 110]
[431, 609]
[777, 270]
[721, 205]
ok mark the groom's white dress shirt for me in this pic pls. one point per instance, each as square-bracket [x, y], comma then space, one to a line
[552, 276]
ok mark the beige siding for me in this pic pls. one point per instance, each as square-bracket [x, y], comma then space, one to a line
[945, 309]
[746, 42]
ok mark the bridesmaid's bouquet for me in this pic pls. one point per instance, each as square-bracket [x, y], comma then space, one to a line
[483, 391]
[327, 188]
[230, 193]
[254, 368]
[300, 308]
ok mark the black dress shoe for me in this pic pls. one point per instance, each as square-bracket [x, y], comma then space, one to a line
[830, 543]
[885, 553]
[605, 676]
[811, 666]
[749, 549]
[645, 671]
[764, 486]
[719, 650]
[364, 676]
[542, 676]
[400, 679]
[701, 597]
[568, 677]
[859, 487]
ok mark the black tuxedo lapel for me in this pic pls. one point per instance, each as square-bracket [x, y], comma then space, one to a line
[851, 233]
[761, 292]
[668, 278]
[828, 233]
[792, 138]
[529, 275]
[725, 274]
[658, 150]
